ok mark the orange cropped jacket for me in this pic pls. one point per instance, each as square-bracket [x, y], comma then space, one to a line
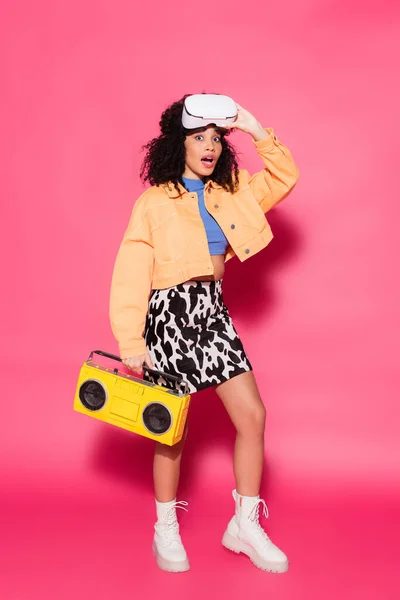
[166, 243]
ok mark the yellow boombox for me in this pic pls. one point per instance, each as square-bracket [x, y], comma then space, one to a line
[143, 407]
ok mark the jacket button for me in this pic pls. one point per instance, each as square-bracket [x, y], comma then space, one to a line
[233, 226]
[216, 205]
[247, 251]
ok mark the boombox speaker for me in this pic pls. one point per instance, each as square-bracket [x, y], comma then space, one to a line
[143, 407]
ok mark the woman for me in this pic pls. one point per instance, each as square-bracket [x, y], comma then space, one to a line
[167, 308]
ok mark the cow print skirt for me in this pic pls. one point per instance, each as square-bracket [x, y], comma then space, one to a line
[190, 333]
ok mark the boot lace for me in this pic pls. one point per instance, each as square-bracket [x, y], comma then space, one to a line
[254, 516]
[171, 523]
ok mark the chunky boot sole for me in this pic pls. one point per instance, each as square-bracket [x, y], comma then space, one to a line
[172, 566]
[235, 545]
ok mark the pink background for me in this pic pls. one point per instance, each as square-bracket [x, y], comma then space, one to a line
[83, 87]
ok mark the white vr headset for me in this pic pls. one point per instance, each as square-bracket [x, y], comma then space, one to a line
[200, 110]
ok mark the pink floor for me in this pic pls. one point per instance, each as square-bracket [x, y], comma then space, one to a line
[58, 542]
[77, 518]
[63, 547]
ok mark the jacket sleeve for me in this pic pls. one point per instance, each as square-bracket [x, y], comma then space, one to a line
[131, 284]
[280, 175]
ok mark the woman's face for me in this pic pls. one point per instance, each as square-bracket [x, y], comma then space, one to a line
[203, 149]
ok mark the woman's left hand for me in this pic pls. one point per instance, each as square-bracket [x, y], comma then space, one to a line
[246, 122]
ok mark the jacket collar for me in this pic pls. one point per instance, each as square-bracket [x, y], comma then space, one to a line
[172, 193]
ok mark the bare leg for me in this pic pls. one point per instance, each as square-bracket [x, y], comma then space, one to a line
[167, 544]
[166, 469]
[242, 400]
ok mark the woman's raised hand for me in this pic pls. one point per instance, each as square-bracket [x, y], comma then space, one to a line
[135, 363]
[246, 122]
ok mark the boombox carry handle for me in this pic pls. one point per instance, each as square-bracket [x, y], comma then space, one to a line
[106, 354]
[145, 367]
[179, 380]
[172, 377]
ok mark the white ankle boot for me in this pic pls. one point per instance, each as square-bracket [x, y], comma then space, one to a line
[245, 534]
[167, 544]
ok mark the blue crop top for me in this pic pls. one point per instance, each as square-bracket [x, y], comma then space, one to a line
[217, 242]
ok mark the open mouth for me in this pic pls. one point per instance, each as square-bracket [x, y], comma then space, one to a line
[208, 162]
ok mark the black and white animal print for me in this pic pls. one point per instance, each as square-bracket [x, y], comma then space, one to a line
[189, 332]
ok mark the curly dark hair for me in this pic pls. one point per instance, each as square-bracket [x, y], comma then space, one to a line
[165, 156]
